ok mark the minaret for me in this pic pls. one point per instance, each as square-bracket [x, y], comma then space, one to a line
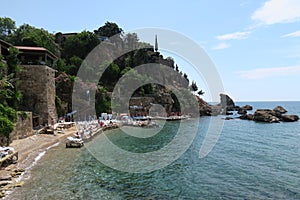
[156, 44]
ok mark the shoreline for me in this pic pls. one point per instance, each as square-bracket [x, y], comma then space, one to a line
[30, 150]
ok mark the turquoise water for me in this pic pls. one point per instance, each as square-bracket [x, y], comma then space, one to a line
[250, 161]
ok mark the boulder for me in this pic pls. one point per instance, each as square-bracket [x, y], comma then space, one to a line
[242, 111]
[250, 117]
[236, 108]
[246, 117]
[247, 107]
[229, 113]
[265, 115]
[243, 117]
[289, 118]
[280, 109]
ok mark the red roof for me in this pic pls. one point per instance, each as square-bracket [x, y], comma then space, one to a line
[26, 48]
[31, 48]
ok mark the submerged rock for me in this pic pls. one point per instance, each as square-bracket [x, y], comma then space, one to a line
[246, 117]
[250, 117]
[247, 107]
[241, 111]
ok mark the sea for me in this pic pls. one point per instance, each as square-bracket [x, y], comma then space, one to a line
[250, 160]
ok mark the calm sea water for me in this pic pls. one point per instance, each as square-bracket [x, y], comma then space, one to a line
[250, 161]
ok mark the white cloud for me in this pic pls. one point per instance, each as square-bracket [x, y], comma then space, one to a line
[293, 34]
[278, 11]
[220, 46]
[234, 36]
[261, 73]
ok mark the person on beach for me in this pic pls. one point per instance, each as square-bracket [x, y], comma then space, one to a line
[52, 123]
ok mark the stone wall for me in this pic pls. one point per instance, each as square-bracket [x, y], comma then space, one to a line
[23, 127]
[38, 90]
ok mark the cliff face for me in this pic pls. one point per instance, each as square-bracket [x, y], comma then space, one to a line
[64, 88]
[142, 105]
[204, 108]
[226, 104]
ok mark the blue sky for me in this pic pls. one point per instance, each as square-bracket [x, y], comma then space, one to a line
[255, 45]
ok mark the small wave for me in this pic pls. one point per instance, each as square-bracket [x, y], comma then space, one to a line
[36, 159]
[54, 145]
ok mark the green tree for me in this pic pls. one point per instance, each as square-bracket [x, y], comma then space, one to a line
[111, 74]
[27, 35]
[60, 65]
[74, 64]
[79, 45]
[194, 87]
[109, 29]
[8, 115]
[13, 67]
[177, 68]
[7, 27]
[200, 93]
[131, 40]
[124, 71]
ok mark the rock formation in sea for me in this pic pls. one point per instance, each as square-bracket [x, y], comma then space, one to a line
[227, 106]
[266, 115]
[271, 116]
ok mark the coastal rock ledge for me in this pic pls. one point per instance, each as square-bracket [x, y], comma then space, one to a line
[266, 115]
[270, 116]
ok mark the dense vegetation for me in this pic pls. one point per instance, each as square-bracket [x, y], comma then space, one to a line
[72, 49]
[10, 97]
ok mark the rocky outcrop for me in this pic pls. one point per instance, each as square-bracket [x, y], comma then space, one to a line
[204, 108]
[242, 111]
[247, 117]
[266, 115]
[270, 116]
[289, 118]
[280, 109]
[260, 115]
[247, 107]
[227, 103]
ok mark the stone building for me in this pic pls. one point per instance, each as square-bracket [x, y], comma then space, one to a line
[37, 82]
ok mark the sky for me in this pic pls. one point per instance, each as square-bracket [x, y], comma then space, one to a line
[254, 44]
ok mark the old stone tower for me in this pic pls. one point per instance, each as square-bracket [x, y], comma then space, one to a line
[38, 84]
[38, 89]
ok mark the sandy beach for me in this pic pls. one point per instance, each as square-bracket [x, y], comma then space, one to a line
[28, 150]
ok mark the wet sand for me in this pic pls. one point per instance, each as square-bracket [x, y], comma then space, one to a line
[29, 148]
